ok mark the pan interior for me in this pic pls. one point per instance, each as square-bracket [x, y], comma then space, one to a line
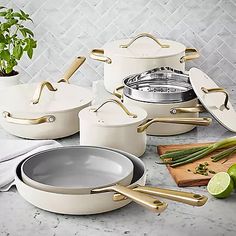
[138, 166]
[78, 167]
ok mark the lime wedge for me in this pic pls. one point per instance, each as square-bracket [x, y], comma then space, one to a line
[221, 185]
[232, 172]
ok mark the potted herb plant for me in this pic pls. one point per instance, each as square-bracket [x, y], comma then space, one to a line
[15, 40]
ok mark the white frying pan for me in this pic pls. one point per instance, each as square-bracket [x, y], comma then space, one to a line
[84, 204]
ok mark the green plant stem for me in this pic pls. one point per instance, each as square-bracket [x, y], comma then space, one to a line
[223, 154]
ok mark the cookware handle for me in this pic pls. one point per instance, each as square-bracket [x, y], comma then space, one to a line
[190, 54]
[117, 93]
[39, 89]
[142, 199]
[72, 69]
[98, 55]
[198, 108]
[192, 199]
[144, 35]
[118, 103]
[187, 121]
[23, 121]
[218, 90]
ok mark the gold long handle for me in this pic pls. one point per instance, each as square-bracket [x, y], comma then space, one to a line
[98, 55]
[144, 35]
[177, 110]
[187, 121]
[118, 103]
[72, 69]
[218, 90]
[192, 199]
[191, 53]
[39, 89]
[25, 121]
[117, 93]
[142, 199]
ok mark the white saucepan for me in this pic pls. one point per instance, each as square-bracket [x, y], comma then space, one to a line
[144, 52]
[121, 127]
[84, 204]
[46, 110]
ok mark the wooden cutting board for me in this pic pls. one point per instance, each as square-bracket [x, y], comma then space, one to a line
[183, 177]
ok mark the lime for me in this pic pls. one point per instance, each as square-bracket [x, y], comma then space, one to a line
[221, 185]
[232, 172]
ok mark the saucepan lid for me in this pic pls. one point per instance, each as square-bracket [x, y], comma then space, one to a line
[213, 98]
[120, 116]
[162, 85]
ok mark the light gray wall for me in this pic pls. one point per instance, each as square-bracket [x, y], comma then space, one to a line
[68, 28]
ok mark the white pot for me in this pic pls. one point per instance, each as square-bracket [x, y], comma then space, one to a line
[122, 127]
[44, 110]
[125, 57]
[7, 81]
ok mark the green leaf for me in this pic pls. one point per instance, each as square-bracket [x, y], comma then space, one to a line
[30, 52]
[28, 31]
[23, 32]
[3, 13]
[5, 55]
[17, 52]
[16, 14]
[2, 46]
[2, 38]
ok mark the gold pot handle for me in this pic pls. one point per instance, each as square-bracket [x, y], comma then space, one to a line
[118, 103]
[177, 110]
[98, 55]
[23, 121]
[190, 54]
[218, 90]
[187, 121]
[117, 93]
[144, 35]
[39, 89]
[142, 199]
[72, 69]
[188, 198]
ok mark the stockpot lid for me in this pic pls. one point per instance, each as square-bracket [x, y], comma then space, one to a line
[213, 98]
[162, 85]
[19, 98]
[144, 46]
[112, 113]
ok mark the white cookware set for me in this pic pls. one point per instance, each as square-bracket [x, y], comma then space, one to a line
[155, 95]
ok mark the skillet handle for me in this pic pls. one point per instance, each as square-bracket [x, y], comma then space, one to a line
[72, 69]
[149, 202]
[187, 121]
[188, 198]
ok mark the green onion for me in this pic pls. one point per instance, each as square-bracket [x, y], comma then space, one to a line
[182, 157]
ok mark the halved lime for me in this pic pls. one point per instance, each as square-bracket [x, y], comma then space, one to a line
[221, 185]
[232, 172]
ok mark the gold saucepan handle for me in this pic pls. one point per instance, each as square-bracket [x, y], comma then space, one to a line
[39, 89]
[142, 199]
[177, 110]
[25, 121]
[144, 35]
[117, 93]
[192, 199]
[218, 90]
[190, 54]
[186, 121]
[124, 108]
[72, 69]
[98, 55]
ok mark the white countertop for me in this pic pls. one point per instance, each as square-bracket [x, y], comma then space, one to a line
[217, 217]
